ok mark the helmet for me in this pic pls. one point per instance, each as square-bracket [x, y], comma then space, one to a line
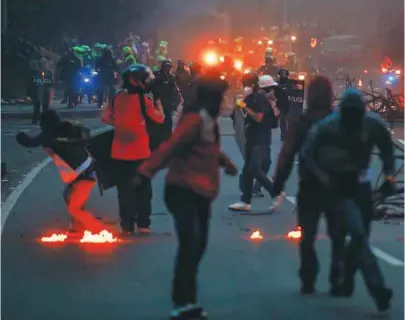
[136, 76]
[166, 63]
[269, 50]
[266, 81]
[283, 73]
[250, 79]
[127, 50]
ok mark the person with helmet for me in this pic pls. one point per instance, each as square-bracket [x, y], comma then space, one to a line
[106, 67]
[182, 76]
[161, 52]
[193, 157]
[165, 88]
[189, 93]
[337, 153]
[97, 51]
[128, 112]
[269, 68]
[129, 57]
[70, 66]
[66, 145]
[261, 117]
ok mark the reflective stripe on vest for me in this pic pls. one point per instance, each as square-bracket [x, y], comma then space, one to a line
[67, 174]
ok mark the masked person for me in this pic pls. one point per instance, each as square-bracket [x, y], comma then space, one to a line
[338, 153]
[40, 87]
[128, 113]
[261, 117]
[106, 67]
[66, 144]
[71, 66]
[193, 157]
[312, 199]
[165, 88]
[182, 76]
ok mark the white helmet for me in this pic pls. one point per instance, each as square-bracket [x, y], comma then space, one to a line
[266, 81]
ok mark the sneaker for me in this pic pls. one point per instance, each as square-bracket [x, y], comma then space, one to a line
[277, 202]
[188, 312]
[144, 230]
[240, 206]
[258, 194]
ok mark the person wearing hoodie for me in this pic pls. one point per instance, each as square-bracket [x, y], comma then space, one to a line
[338, 153]
[193, 157]
[66, 144]
[311, 198]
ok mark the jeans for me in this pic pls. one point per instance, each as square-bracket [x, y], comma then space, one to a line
[283, 126]
[255, 157]
[36, 100]
[191, 214]
[257, 186]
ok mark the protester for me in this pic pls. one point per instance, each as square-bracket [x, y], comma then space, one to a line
[66, 144]
[338, 153]
[127, 113]
[193, 157]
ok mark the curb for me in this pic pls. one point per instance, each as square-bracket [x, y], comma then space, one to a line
[64, 113]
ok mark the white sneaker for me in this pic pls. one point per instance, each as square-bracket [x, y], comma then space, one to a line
[277, 202]
[240, 206]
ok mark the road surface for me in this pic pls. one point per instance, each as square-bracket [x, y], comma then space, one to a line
[239, 279]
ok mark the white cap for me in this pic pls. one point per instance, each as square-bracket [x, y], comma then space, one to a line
[267, 81]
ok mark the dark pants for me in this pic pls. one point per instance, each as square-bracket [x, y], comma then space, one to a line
[36, 100]
[311, 203]
[283, 126]
[265, 168]
[191, 214]
[167, 127]
[105, 91]
[255, 156]
[72, 94]
[134, 202]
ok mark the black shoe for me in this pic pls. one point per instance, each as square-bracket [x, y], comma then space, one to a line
[308, 288]
[342, 290]
[383, 298]
[189, 312]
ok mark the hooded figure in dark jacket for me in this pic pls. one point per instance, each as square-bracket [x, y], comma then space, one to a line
[66, 144]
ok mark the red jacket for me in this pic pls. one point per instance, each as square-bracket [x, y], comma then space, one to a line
[131, 139]
[192, 154]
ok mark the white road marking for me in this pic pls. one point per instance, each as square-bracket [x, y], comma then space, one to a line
[395, 262]
[13, 198]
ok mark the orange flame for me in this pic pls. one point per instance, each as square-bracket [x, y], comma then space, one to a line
[295, 234]
[256, 235]
[102, 237]
[55, 237]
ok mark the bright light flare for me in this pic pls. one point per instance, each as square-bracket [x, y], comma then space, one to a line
[238, 64]
[295, 234]
[260, 42]
[222, 77]
[55, 237]
[221, 58]
[102, 237]
[365, 71]
[384, 70]
[301, 77]
[398, 72]
[246, 71]
[211, 58]
[293, 38]
[256, 235]
[270, 42]
[360, 83]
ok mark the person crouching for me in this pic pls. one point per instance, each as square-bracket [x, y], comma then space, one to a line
[66, 144]
[193, 156]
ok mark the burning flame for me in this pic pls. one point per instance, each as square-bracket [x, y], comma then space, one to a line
[295, 234]
[210, 58]
[256, 235]
[238, 64]
[102, 237]
[55, 237]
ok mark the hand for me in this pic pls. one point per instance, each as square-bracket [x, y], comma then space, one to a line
[240, 104]
[231, 169]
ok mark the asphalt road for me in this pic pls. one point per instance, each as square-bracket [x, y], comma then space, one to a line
[239, 279]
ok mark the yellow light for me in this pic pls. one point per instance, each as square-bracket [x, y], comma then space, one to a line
[293, 38]
[211, 58]
[222, 77]
[398, 72]
[238, 64]
[260, 42]
[246, 71]
[360, 83]
[221, 58]
[270, 42]
[384, 70]
[301, 77]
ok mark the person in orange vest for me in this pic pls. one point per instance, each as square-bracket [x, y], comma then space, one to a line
[130, 112]
[66, 143]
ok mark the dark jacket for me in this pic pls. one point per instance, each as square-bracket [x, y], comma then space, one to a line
[192, 154]
[297, 132]
[165, 88]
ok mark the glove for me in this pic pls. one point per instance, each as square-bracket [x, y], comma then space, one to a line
[240, 104]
